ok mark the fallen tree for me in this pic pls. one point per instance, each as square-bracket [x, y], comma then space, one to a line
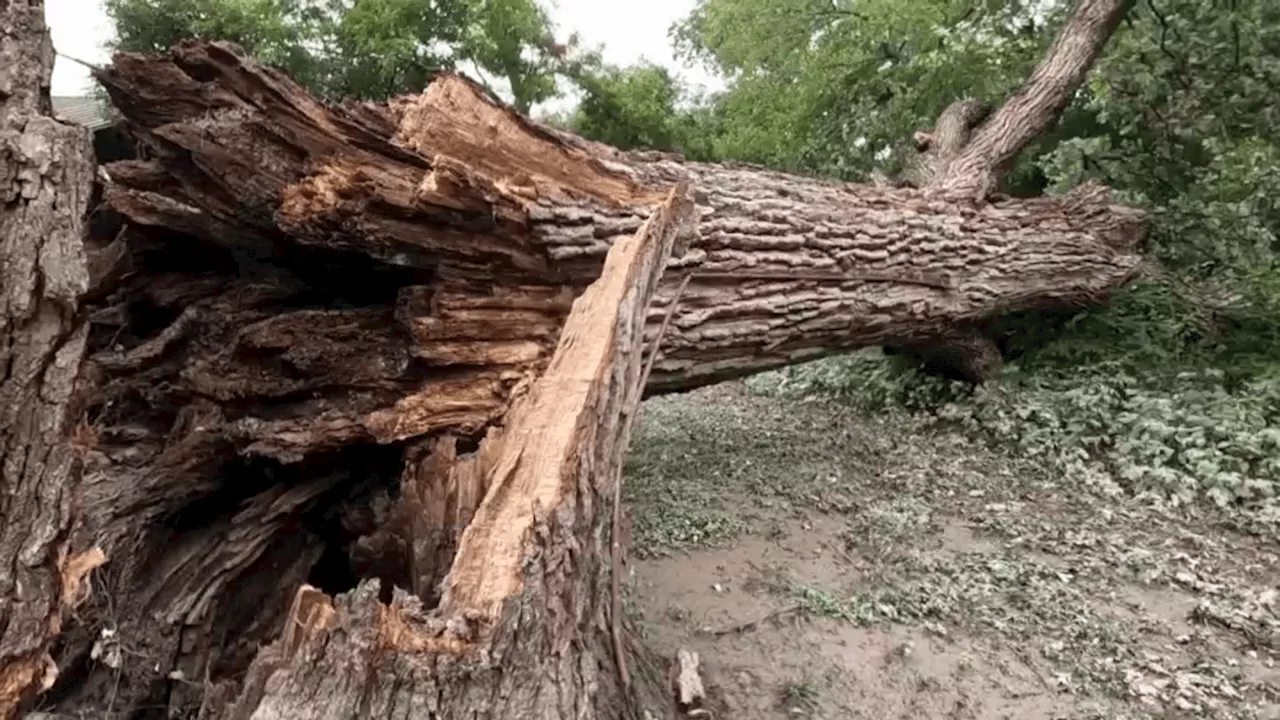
[361, 376]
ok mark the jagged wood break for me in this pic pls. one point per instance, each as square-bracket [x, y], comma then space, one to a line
[530, 577]
[328, 343]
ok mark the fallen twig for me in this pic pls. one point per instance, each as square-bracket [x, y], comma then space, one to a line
[752, 624]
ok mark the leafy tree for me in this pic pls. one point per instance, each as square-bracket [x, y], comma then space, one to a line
[835, 87]
[1186, 120]
[1176, 117]
[497, 38]
[641, 106]
[368, 49]
[1172, 388]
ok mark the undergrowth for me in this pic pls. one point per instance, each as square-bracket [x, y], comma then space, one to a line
[1145, 397]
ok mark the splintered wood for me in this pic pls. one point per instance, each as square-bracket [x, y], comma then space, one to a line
[540, 447]
[520, 563]
[688, 684]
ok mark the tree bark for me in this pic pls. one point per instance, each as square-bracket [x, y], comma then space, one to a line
[784, 268]
[530, 580]
[46, 175]
[967, 154]
[976, 171]
[388, 353]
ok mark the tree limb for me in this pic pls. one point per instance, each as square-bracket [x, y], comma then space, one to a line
[975, 172]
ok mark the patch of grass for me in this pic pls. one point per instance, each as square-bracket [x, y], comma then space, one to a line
[666, 526]
[1173, 440]
[800, 697]
[818, 602]
[700, 474]
[1196, 437]
[966, 540]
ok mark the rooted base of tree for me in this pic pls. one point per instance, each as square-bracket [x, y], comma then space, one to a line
[362, 376]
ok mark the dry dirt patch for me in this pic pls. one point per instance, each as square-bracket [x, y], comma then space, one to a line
[826, 564]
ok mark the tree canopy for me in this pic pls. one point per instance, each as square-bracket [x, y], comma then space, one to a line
[367, 49]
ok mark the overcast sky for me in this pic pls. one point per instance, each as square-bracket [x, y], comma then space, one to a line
[628, 30]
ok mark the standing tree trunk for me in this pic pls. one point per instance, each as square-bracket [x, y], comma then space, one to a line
[46, 175]
[362, 377]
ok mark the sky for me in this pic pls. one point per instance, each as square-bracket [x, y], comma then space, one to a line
[628, 31]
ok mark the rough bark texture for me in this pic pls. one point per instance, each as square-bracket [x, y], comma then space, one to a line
[46, 175]
[529, 585]
[976, 171]
[338, 344]
[938, 147]
[785, 268]
[968, 152]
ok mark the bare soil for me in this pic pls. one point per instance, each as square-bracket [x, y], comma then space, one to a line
[827, 563]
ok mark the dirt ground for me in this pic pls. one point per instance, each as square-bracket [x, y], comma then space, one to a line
[825, 563]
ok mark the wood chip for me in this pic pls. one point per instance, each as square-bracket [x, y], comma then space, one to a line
[689, 691]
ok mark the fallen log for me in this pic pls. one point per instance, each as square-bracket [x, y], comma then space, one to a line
[459, 189]
[319, 367]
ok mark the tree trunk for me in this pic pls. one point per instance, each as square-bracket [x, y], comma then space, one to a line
[401, 342]
[46, 175]
[530, 582]
[784, 268]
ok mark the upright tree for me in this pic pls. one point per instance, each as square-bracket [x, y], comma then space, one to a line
[46, 176]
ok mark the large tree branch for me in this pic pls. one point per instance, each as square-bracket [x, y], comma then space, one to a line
[975, 171]
[784, 268]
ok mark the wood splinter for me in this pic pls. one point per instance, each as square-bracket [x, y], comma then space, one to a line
[690, 694]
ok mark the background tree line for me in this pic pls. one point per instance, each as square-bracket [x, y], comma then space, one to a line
[1172, 389]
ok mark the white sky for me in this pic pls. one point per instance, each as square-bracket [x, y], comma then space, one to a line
[627, 29]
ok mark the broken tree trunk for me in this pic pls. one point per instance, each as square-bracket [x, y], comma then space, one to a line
[529, 586]
[784, 268]
[46, 176]
[334, 345]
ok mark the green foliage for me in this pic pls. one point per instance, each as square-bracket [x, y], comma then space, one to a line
[274, 30]
[867, 378]
[640, 106]
[513, 39]
[833, 87]
[819, 87]
[368, 49]
[1179, 440]
[1186, 130]
[1171, 390]
[1185, 99]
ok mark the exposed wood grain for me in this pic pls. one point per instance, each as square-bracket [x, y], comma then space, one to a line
[529, 584]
